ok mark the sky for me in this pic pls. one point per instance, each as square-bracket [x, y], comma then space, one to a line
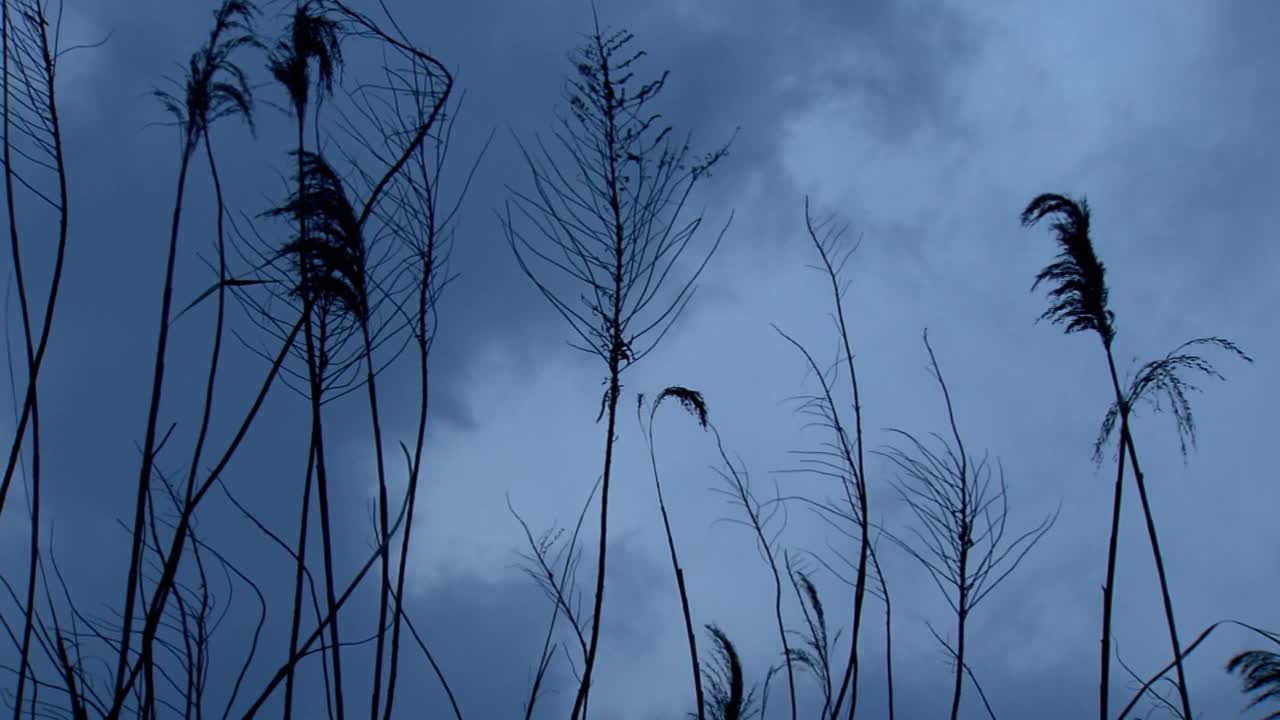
[925, 127]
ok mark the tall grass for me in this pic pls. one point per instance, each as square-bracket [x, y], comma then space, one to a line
[1078, 300]
[961, 534]
[30, 55]
[603, 235]
[606, 216]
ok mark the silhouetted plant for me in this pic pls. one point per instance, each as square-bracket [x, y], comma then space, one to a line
[841, 458]
[962, 516]
[608, 212]
[814, 655]
[727, 695]
[552, 563]
[605, 211]
[1160, 383]
[30, 54]
[335, 267]
[170, 577]
[1078, 296]
[760, 516]
[219, 100]
[311, 37]
[1078, 300]
[409, 204]
[691, 401]
[882, 591]
[355, 286]
[1145, 689]
[1260, 673]
[1159, 701]
[32, 138]
[215, 87]
[328, 618]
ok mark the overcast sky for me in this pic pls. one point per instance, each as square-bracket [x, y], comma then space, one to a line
[926, 127]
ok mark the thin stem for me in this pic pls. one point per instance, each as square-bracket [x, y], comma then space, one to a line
[317, 425]
[616, 350]
[1126, 438]
[47, 54]
[300, 569]
[580, 702]
[1108, 589]
[679, 573]
[415, 469]
[383, 521]
[184, 521]
[153, 416]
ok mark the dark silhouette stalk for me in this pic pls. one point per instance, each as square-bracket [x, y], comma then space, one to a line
[741, 494]
[427, 293]
[162, 591]
[435, 668]
[961, 617]
[584, 688]
[153, 415]
[541, 569]
[1108, 589]
[28, 616]
[888, 630]
[853, 457]
[215, 353]
[383, 519]
[328, 619]
[428, 259]
[1126, 439]
[312, 37]
[611, 224]
[1194, 644]
[207, 98]
[965, 495]
[962, 513]
[47, 56]
[317, 431]
[174, 555]
[617, 347]
[300, 567]
[1079, 301]
[31, 405]
[694, 403]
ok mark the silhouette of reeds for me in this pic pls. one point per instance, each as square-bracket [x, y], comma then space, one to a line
[215, 87]
[760, 519]
[962, 517]
[841, 458]
[728, 697]
[1260, 674]
[353, 284]
[606, 215]
[30, 56]
[692, 402]
[1078, 301]
[313, 38]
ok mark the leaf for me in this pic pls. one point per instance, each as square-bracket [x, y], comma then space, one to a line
[229, 282]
